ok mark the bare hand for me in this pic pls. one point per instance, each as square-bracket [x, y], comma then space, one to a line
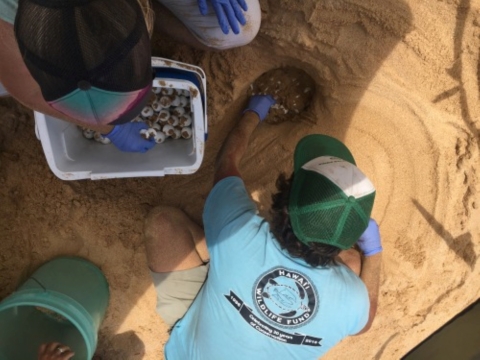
[54, 351]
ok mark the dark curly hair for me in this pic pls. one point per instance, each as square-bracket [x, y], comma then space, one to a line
[315, 254]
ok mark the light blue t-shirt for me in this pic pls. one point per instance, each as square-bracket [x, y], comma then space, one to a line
[8, 10]
[257, 302]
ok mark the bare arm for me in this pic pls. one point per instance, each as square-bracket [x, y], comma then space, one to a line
[234, 147]
[370, 275]
[16, 78]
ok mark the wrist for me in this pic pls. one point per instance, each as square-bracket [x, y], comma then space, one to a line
[106, 129]
[372, 252]
[253, 114]
[112, 131]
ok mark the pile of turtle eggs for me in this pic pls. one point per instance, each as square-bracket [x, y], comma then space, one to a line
[168, 114]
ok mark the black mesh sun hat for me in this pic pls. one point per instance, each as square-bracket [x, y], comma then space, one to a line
[91, 58]
[331, 199]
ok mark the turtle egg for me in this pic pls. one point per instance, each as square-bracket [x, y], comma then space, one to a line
[160, 137]
[166, 91]
[185, 120]
[101, 139]
[178, 111]
[144, 134]
[183, 101]
[165, 101]
[173, 120]
[147, 112]
[175, 101]
[88, 133]
[168, 130]
[186, 132]
[151, 133]
[176, 134]
[163, 116]
[156, 106]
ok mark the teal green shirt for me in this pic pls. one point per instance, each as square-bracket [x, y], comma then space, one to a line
[8, 10]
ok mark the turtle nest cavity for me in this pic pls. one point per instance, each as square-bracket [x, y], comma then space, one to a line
[292, 88]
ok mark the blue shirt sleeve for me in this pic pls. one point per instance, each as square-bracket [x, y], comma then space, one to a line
[228, 207]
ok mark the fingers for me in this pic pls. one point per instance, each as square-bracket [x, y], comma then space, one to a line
[221, 16]
[229, 13]
[66, 355]
[52, 346]
[54, 351]
[202, 6]
[271, 99]
[232, 17]
[243, 4]
[238, 13]
[42, 349]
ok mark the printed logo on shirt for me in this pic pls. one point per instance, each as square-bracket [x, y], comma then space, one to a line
[266, 329]
[285, 298]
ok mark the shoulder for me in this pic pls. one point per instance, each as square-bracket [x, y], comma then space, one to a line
[351, 281]
[228, 207]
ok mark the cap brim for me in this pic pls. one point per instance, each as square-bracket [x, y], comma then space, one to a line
[100, 107]
[316, 145]
[136, 107]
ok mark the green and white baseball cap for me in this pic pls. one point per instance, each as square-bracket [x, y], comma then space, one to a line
[331, 199]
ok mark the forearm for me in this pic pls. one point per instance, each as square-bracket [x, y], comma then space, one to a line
[36, 102]
[370, 275]
[234, 147]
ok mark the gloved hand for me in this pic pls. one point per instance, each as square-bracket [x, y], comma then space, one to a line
[229, 13]
[370, 242]
[126, 137]
[260, 104]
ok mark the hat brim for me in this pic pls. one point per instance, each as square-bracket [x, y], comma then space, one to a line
[316, 145]
[100, 107]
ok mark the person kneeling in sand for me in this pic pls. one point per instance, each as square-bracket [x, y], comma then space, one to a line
[89, 62]
[246, 289]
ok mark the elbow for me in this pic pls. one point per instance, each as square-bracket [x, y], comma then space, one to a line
[366, 327]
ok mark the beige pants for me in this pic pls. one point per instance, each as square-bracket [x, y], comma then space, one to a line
[176, 291]
[206, 28]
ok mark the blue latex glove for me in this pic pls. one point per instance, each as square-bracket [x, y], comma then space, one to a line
[229, 13]
[260, 104]
[126, 137]
[370, 242]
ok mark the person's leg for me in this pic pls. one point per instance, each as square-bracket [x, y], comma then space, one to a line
[352, 259]
[173, 241]
[195, 29]
[176, 291]
[168, 24]
[176, 255]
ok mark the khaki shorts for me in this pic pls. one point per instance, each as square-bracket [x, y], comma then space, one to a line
[206, 28]
[176, 291]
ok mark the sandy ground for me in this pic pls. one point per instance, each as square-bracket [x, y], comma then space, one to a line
[396, 80]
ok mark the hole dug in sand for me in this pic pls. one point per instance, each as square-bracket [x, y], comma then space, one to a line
[292, 88]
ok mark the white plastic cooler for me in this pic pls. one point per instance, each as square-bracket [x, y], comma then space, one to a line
[72, 157]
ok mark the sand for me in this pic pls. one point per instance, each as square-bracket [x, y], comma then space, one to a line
[396, 80]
